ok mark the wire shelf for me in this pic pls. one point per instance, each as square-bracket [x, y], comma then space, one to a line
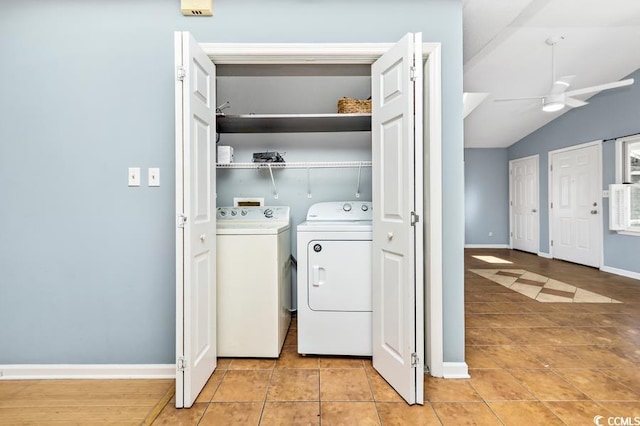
[298, 165]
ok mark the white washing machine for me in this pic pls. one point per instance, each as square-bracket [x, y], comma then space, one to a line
[334, 279]
[253, 280]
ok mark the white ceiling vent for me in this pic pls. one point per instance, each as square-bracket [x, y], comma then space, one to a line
[196, 7]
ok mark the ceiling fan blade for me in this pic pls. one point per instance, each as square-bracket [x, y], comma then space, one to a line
[562, 84]
[574, 103]
[600, 87]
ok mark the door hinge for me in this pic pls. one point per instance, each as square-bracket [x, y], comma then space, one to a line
[511, 234]
[412, 73]
[414, 360]
[551, 168]
[181, 364]
[414, 218]
[552, 204]
[182, 219]
[551, 243]
[180, 73]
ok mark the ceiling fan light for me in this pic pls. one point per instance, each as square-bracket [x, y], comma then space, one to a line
[552, 106]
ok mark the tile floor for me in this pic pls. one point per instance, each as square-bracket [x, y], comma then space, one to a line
[530, 362]
[541, 288]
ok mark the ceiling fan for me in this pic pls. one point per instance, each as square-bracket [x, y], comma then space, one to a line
[558, 97]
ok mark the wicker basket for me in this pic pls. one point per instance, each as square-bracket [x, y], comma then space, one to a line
[351, 106]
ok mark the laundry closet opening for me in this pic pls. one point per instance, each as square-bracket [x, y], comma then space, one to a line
[282, 99]
[293, 90]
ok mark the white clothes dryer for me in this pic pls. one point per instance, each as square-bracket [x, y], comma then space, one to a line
[253, 250]
[334, 279]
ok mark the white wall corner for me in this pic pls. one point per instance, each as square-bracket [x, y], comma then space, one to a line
[545, 255]
[455, 370]
[87, 371]
[621, 272]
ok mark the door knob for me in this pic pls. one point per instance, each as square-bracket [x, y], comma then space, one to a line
[533, 211]
[390, 235]
[594, 211]
[203, 237]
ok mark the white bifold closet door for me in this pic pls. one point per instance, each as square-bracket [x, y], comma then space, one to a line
[196, 224]
[398, 338]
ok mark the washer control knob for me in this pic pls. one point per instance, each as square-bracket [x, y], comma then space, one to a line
[234, 212]
[223, 213]
[268, 213]
[243, 212]
[346, 207]
[365, 207]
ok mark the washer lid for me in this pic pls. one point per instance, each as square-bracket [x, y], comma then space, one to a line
[250, 228]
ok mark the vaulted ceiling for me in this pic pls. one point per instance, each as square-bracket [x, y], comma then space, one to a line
[505, 56]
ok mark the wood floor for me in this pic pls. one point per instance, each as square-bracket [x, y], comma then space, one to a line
[530, 362]
[68, 402]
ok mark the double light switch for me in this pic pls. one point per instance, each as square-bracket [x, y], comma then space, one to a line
[153, 176]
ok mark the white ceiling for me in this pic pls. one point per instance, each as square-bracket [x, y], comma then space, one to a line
[505, 55]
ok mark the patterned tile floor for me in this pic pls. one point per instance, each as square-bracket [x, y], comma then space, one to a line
[530, 362]
[541, 288]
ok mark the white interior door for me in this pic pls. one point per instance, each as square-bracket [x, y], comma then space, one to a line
[575, 209]
[397, 301]
[196, 231]
[524, 204]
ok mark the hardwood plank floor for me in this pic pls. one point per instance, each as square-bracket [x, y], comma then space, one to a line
[123, 402]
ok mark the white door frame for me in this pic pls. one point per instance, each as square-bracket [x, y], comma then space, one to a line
[598, 144]
[367, 53]
[511, 181]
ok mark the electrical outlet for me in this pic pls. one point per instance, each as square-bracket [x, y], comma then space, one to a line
[134, 176]
[154, 176]
[605, 193]
[491, 234]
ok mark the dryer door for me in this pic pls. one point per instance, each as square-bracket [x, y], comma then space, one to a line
[339, 275]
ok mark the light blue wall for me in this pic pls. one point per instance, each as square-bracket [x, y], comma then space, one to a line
[486, 196]
[609, 115]
[86, 263]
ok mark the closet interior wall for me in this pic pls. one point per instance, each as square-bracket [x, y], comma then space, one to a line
[294, 89]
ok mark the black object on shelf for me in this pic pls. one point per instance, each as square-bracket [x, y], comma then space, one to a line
[267, 157]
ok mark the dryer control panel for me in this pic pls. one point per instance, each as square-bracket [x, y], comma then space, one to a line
[340, 210]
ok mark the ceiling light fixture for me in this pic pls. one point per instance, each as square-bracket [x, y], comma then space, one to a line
[553, 102]
[552, 106]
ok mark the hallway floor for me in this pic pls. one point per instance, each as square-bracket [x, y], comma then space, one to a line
[529, 361]
[539, 363]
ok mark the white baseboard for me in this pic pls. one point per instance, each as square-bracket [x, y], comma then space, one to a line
[87, 371]
[622, 272]
[455, 370]
[545, 255]
[492, 246]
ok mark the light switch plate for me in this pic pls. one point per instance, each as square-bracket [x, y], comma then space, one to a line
[134, 176]
[154, 176]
